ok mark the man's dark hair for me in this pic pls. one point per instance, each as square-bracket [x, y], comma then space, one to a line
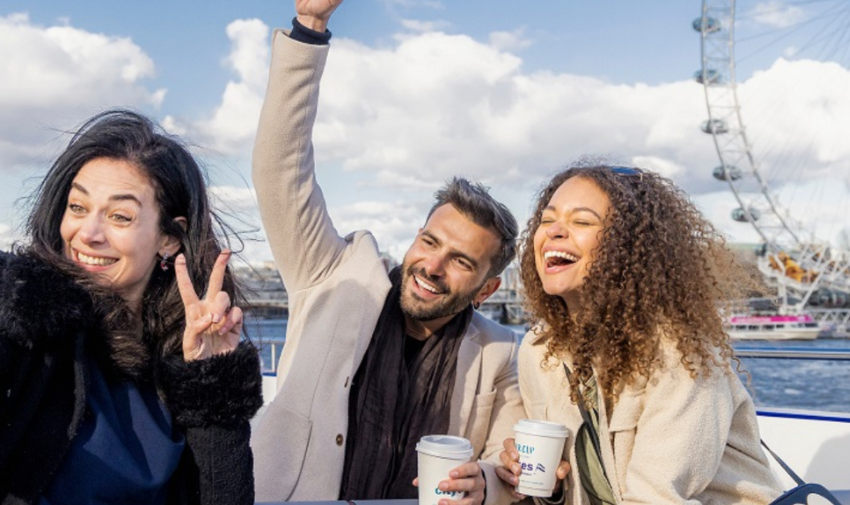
[474, 201]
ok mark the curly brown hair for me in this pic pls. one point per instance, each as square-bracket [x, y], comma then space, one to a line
[660, 271]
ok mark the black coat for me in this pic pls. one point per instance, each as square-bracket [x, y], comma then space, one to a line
[46, 321]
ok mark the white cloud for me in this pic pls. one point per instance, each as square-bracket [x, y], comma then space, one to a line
[408, 116]
[662, 166]
[416, 25]
[394, 223]
[800, 108]
[55, 76]
[777, 14]
[433, 105]
[6, 238]
[509, 41]
[233, 123]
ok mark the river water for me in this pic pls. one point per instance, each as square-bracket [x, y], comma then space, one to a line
[798, 384]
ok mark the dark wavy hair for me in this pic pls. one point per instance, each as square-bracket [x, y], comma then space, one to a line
[180, 191]
[474, 201]
[660, 271]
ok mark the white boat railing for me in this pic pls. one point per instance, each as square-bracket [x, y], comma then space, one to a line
[792, 353]
[814, 444]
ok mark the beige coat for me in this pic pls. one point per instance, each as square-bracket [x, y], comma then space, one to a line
[337, 287]
[669, 440]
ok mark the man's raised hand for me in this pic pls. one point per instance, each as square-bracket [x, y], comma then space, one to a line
[314, 14]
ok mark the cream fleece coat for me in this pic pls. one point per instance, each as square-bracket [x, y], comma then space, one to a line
[671, 439]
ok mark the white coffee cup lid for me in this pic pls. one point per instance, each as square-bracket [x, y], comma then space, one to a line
[541, 428]
[445, 446]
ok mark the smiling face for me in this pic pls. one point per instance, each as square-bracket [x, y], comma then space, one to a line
[111, 226]
[447, 268]
[568, 235]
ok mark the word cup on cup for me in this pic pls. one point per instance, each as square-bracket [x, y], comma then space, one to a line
[540, 445]
[437, 456]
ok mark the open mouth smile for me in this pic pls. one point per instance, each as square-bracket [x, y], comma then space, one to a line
[93, 261]
[556, 259]
[426, 286]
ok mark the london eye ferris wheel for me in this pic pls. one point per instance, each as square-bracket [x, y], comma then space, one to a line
[776, 76]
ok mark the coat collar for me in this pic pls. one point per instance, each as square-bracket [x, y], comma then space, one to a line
[38, 303]
[466, 376]
[535, 334]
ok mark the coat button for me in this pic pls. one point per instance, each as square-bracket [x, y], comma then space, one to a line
[339, 439]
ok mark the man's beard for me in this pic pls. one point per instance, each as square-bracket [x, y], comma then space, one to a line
[450, 304]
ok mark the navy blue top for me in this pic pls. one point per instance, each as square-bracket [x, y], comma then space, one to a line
[125, 450]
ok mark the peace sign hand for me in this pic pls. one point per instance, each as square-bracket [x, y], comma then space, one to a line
[212, 325]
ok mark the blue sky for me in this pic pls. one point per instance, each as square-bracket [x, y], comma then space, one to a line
[492, 90]
[622, 41]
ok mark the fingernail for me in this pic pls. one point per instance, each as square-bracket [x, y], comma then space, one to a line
[180, 259]
[453, 475]
[515, 468]
[216, 318]
[444, 486]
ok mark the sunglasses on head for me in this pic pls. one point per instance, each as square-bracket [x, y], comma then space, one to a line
[625, 171]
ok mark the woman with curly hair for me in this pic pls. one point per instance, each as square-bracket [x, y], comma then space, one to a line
[625, 276]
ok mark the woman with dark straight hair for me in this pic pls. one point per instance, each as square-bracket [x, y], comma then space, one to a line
[120, 383]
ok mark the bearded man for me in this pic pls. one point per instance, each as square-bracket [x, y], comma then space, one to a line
[375, 360]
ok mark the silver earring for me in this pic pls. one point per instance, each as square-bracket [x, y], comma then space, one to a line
[163, 264]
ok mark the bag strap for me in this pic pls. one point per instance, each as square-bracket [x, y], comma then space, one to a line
[585, 415]
[784, 466]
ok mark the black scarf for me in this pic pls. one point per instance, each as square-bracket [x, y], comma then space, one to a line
[392, 406]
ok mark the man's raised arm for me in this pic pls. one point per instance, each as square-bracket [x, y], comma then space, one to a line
[302, 237]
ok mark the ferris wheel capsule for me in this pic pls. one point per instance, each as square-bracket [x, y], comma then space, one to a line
[727, 173]
[746, 216]
[714, 126]
[706, 24]
[709, 76]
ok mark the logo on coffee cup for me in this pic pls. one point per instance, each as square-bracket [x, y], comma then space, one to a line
[451, 494]
[525, 449]
[528, 468]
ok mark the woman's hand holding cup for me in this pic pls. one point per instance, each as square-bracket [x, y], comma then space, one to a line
[541, 439]
[510, 470]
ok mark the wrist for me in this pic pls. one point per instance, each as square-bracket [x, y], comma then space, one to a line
[307, 35]
[313, 23]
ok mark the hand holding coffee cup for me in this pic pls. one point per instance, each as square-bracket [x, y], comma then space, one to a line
[445, 470]
[511, 469]
[532, 461]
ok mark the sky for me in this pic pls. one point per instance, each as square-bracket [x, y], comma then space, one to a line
[417, 91]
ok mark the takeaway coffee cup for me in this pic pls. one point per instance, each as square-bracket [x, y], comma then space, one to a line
[438, 455]
[540, 445]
